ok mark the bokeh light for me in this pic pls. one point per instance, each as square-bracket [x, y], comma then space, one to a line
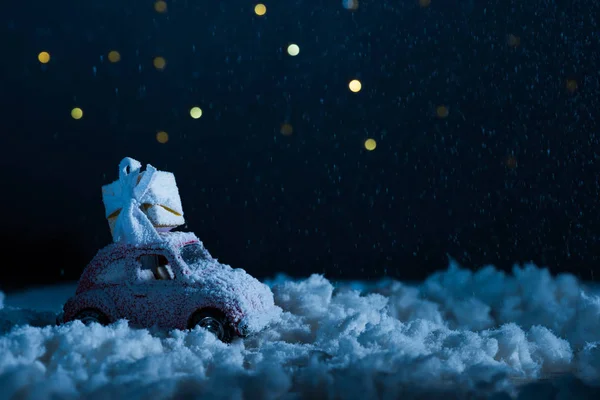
[293, 50]
[44, 57]
[442, 111]
[571, 85]
[260, 9]
[162, 137]
[350, 4]
[160, 6]
[370, 144]
[511, 161]
[159, 63]
[77, 113]
[195, 112]
[114, 56]
[355, 85]
[286, 129]
[513, 40]
[424, 3]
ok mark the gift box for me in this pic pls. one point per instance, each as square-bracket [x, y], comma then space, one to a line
[140, 204]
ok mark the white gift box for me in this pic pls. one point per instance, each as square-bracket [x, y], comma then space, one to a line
[141, 203]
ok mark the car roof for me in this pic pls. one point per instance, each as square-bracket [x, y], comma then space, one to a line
[170, 240]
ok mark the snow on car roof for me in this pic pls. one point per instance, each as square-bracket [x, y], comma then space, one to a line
[169, 239]
[178, 239]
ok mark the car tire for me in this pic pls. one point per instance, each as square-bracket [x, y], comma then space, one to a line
[90, 315]
[214, 322]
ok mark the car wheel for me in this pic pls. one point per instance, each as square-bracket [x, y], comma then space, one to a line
[90, 315]
[214, 322]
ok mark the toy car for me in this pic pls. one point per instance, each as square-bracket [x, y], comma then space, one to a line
[173, 283]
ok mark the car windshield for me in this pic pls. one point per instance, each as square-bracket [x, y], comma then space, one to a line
[193, 253]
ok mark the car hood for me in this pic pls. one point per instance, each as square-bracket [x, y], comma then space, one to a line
[234, 288]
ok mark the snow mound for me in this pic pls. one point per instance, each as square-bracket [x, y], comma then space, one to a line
[459, 334]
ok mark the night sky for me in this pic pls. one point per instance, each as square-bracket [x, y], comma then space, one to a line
[484, 115]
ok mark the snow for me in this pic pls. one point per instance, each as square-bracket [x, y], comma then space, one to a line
[458, 334]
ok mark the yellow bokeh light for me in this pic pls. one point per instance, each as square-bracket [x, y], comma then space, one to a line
[571, 85]
[424, 3]
[442, 111]
[370, 144]
[196, 112]
[159, 63]
[513, 40]
[77, 113]
[286, 129]
[160, 6]
[162, 137]
[293, 50]
[511, 162]
[114, 56]
[260, 9]
[355, 85]
[44, 57]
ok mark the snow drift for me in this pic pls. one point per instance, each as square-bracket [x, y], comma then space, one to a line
[458, 334]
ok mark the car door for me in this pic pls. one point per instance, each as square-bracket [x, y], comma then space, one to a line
[155, 292]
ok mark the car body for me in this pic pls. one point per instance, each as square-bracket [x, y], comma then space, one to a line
[166, 283]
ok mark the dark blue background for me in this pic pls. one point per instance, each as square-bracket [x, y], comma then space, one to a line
[511, 175]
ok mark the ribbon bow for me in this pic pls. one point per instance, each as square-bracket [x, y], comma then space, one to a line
[131, 225]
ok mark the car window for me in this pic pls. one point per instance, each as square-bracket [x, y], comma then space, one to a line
[193, 253]
[113, 272]
[153, 267]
